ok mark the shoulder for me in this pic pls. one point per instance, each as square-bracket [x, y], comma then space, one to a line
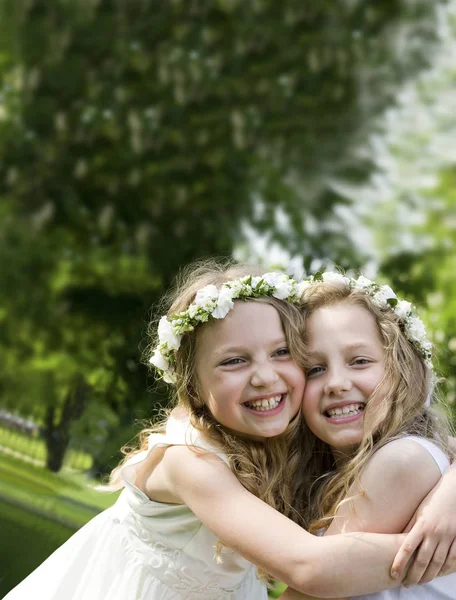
[195, 464]
[404, 453]
[402, 462]
[392, 484]
[181, 470]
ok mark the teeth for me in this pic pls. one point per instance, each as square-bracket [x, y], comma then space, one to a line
[346, 411]
[265, 403]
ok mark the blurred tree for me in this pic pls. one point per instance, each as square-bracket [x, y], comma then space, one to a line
[136, 136]
[412, 205]
[426, 275]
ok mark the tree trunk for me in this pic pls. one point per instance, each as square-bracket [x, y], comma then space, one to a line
[57, 434]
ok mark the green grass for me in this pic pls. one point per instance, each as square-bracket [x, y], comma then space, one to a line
[27, 539]
[40, 510]
[67, 496]
[35, 448]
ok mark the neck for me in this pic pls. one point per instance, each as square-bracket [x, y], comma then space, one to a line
[343, 455]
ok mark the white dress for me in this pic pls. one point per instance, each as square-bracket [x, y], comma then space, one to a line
[441, 588]
[144, 550]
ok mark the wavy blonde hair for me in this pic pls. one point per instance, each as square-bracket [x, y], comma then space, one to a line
[266, 467]
[402, 410]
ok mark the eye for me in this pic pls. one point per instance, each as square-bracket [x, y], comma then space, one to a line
[231, 362]
[361, 362]
[313, 371]
[282, 352]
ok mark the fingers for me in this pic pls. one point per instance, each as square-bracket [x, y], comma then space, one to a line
[450, 562]
[438, 560]
[420, 563]
[405, 553]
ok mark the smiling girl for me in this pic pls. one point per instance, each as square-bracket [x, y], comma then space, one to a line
[199, 517]
[379, 443]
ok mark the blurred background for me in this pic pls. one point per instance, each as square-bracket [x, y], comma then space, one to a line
[139, 135]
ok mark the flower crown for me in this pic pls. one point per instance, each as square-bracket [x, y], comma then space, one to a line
[384, 297]
[211, 302]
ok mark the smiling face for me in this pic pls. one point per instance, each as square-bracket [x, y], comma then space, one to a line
[346, 358]
[245, 372]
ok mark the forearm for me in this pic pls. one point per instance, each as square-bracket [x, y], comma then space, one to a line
[348, 565]
[340, 565]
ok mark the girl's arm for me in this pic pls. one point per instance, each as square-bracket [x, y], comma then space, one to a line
[433, 529]
[350, 564]
[392, 484]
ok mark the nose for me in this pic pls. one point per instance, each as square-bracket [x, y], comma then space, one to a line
[337, 383]
[264, 375]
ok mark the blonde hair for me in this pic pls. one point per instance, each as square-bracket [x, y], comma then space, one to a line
[266, 467]
[402, 410]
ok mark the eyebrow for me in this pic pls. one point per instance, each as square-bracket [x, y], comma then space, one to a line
[240, 349]
[351, 346]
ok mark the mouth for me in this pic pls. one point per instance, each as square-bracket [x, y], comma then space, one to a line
[265, 404]
[345, 412]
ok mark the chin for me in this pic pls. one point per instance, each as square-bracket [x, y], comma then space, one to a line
[348, 448]
[269, 434]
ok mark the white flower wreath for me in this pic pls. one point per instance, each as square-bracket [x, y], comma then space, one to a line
[211, 302]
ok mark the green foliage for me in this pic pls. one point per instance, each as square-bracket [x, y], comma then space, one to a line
[136, 136]
[143, 123]
[426, 276]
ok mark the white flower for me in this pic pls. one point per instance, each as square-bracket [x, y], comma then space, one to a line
[403, 308]
[245, 291]
[362, 282]
[283, 291]
[382, 296]
[426, 344]
[256, 281]
[273, 279]
[192, 310]
[158, 360]
[224, 303]
[334, 278]
[206, 295]
[416, 329]
[166, 334]
[169, 377]
[282, 283]
[387, 292]
[236, 287]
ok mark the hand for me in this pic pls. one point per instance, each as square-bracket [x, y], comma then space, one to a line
[431, 534]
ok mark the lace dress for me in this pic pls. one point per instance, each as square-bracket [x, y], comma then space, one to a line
[144, 550]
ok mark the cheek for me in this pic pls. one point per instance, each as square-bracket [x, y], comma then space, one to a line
[306, 402]
[309, 401]
[297, 378]
[219, 391]
[217, 405]
[378, 385]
